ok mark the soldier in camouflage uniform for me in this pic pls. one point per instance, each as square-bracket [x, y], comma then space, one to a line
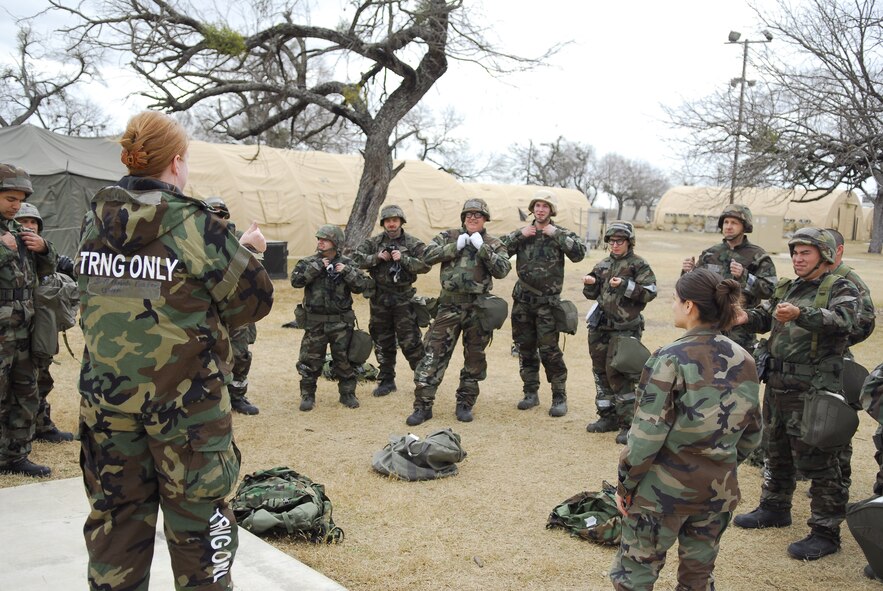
[393, 258]
[737, 258]
[329, 279]
[470, 260]
[872, 402]
[623, 284]
[24, 257]
[240, 337]
[807, 341]
[541, 248]
[161, 278]
[696, 420]
[44, 428]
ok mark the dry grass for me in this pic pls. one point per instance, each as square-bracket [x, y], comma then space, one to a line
[484, 528]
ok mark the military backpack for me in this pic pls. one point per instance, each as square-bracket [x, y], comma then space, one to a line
[56, 302]
[410, 458]
[591, 516]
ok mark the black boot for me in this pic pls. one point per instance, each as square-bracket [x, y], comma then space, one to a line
[241, 405]
[349, 400]
[25, 467]
[464, 412]
[559, 404]
[761, 518]
[420, 415]
[623, 436]
[54, 435]
[384, 388]
[813, 547]
[307, 402]
[530, 400]
[604, 424]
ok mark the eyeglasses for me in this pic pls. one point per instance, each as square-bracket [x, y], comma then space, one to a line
[474, 215]
[618, 241]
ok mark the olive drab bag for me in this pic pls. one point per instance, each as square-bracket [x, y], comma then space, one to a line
[361, 345]
[591, 516]
[865, 521]
[628, 355]
[410, 458]
[566, 316]
[282, 501]
[56, 302]
[492, 311]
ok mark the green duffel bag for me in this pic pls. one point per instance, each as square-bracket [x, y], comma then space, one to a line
[492, 311]
[828, 420]
[628, 355]
[360, 347]
[566, 317]
[591, 516]
[410, 458]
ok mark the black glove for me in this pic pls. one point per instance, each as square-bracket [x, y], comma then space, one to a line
[65, 265]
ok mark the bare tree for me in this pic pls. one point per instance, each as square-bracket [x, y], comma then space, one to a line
[649, 186]
[630, 181]
[561, 163]
[386, 57]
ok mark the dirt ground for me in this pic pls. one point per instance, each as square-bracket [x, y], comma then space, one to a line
[484, 529]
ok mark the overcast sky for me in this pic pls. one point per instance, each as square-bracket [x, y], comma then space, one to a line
[605, 88]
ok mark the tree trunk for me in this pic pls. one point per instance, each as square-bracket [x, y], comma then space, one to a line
[376, 176]
[876, 244]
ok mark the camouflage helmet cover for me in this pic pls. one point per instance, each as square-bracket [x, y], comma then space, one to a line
[547, 197]
[817, 237]
[739, 212]
[478, 205]
[29, 210]
[217, 204]
[332, 233]
[620, 228]
[392, 211]
[13, 178]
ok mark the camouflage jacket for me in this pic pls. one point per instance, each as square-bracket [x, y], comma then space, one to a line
[20, 271]
[872, 394]
[396, 277]
[161, 280]
[540, 261]
[758, 281]
[328, 293]
[620, 308]
[697, 417]
[867, 315]
[792, 341]
[470, 270]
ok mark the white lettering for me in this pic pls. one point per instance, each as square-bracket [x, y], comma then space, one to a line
[136, 265]
[220, 532]
[219, 542]
[170, 266]
[83, 256]
[119, 265]
[94, 257]
[104, 265]
[223, 519]
[149, 268]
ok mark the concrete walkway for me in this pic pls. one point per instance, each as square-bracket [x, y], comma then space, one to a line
[42, 538]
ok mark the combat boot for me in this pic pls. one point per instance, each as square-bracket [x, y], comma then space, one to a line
[761, 518]
[559, 405]
[385, 387]
[464, 412]
[420, 415]
[604, 424]
[241, 405]
[307, 402]
[623, 436]
[54, 435]
[530, 400]
[349, 400]
[25, 467]
[869, 572]
[813, 547]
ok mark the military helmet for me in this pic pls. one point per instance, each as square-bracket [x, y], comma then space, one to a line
[478, 205]
[13, 178]
[815, 237]
[29, 210]
[217, 204]
[392, 211]
[739, 212]
[620, 228]
[546, 196]
[332, 233]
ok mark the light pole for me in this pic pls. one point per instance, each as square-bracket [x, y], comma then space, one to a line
[734, 38]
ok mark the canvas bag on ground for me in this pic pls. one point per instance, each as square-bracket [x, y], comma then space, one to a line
[410, 458]
[280, 501]
[591, 516]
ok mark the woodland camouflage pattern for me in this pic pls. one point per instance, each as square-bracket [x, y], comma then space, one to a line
[758, 280]
[618, 314]
[393, 320]
[19, 400]
[465, 274]
[872, 402]
[697, 418]
[792, 374]
[867, 315]
[540, 267]
[160, 280]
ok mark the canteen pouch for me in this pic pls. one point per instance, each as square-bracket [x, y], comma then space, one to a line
[828, 420]
[566, 316]
[360, 347]
[492, 311]
[628, 355]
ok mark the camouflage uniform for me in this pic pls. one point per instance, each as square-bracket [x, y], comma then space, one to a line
[872, 402]
[793, 371]
[618, 314]
[393, 320]
[240, 338]
[696, 420]
[20, 270]
[466, 274]
[330, 320]
[540, 267]
[160, 280]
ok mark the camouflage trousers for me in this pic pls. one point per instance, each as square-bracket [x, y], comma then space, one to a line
[317, 337]
[878, 457]
[19, 399]
[391, 326]
[240, 339]
[536, 336]
[786, 454]
[43, 419]
[615, 392]
[647, 537]
[184, 463]
[450, 321]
